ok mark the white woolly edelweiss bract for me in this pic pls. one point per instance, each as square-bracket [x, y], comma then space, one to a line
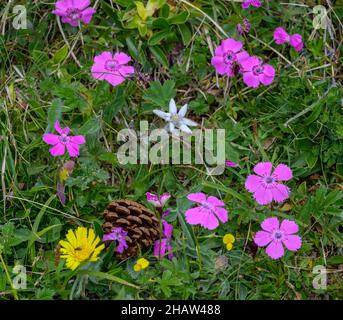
[176, 119]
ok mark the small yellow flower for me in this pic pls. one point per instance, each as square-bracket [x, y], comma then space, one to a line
[229, 239]
[141, 264]
[81, 246]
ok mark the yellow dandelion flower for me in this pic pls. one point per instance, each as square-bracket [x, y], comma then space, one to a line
[80, 246]
[229, 239]
[141, 264]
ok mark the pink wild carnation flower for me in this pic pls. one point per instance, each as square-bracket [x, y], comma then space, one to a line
[208, 212]
[117, 234]
[74, 11]
[228, 56]
[157, 201]
[256, 72]
[265, 185]
[112, 67]
[276, 236]
[62, 141]
[295, 40]
[247, 3]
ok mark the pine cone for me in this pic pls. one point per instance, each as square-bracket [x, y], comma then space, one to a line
[141, 224]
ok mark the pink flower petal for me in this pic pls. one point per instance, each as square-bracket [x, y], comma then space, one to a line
[57, 150]
[256, 3]
[51, 138]
[73, 149]
[289, 227]
[60, 130]
[219, 51]
[59, 12]
[73, 23]
[215, 201]
[126, 71]
[219, 65]
[229, 163]
[160, 248]
[231, 45]
[251, 80]
[61, 5]
[292, 242]
[282, 173]
[114, 80]
[269, 70]
[249, 63]
[167, 229]
[197, 197]
[252, 183]
[103, 57]
[280, 35]
[280, 192]
[275, 250]
[262, 238]
[263, 196]
[265, 80]
[87, 15]
[296, 42]
[246, 4]
[81, 4]
[242, 56]
[268, 75]
[263, 169]
[164, 198]
[221, 214]
[78, 139]
[202, 216]
[122, 58]
[270, 224]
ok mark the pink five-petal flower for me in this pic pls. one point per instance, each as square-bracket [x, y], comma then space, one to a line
[247, 3]
[265, 185]
[157, 201]
[208, 213]
[281, 36]
[256, 72]
[228, 56]
[276, 237]
[62, 141]
[112, 67]
[74, 11]
[296, 42]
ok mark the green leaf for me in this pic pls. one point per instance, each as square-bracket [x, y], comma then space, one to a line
[158, 37]
[180, 18]
[186, 34]
[107, 276]
[54, 113]
[90, 127]
[159, 55]
[60, 54]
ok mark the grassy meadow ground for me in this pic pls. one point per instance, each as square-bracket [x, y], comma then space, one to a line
[45, 75]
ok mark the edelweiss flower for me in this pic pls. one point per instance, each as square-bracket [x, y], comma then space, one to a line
[176, 119]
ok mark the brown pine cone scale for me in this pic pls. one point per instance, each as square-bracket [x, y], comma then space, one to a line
[141, 224]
